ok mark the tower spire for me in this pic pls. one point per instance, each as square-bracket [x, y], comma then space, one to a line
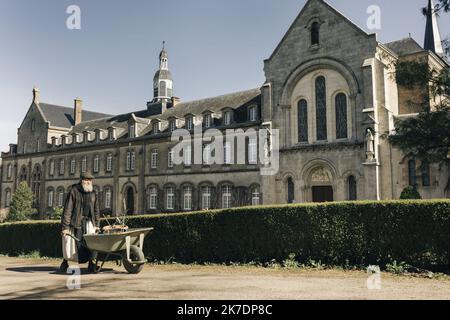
[433, 40]
[162, 81]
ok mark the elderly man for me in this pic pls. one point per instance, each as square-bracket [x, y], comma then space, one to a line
[81, 216]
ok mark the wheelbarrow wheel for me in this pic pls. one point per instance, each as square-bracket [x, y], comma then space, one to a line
[136, 254]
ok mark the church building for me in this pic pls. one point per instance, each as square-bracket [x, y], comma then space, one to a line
[328, 90]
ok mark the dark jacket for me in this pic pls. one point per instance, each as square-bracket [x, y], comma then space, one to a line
[73, 208]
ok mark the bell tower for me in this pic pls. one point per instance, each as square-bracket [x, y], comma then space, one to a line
[162, 81]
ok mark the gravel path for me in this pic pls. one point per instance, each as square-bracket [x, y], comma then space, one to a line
[39, 279]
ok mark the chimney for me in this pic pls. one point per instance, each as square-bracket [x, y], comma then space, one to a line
[175, 101]
[78, 111]
[36, 95]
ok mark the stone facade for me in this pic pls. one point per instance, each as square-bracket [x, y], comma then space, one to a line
[327, 79]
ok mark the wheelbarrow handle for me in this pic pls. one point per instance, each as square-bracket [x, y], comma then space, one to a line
[73, 237]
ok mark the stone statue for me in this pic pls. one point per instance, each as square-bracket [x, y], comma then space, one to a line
[370, 145]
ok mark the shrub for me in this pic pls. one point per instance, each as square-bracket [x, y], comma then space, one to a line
[347, 233]
[410, 193]
[21, 204]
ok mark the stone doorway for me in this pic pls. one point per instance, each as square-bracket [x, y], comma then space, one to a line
[322, 194]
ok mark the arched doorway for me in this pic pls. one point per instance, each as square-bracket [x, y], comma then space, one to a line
[321, 182]
[129, 200]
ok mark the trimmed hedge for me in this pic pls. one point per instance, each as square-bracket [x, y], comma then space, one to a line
[346, 233]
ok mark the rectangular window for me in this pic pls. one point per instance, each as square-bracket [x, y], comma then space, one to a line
[252, 151]
[50, 199]
[153, 197]
[206, 198]
[109, 163]
[156, 128]
[9, 174]
[190, 123]
[60, 198]
[227, 118]
[52, 168]
[62, 167]
[154, 159]
[108, 197]
[170, 198]
[227, 153]
[84, 165]
[170, 158]
[226, 197]
[253, 115]
[255, 197]
[73, 165]
[206, 154]
[132, 131]
[96, 164]
[187, 155]
[207, 121]
[187, 198]
[173, 125]
[133, 160]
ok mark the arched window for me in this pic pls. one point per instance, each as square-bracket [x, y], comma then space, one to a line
[352, 191]
[9, 171]
[206, 197]
[226, 196]
[187, 198]
[170, 198]
[60, 197]
[36, 185]
[51, 196]
[412, 173]
[162, 89]
[315, 33]
[302, 120]
[425, 173]
[152, 198]
[290, 190]
[23, 175]
[321, 109]
[33, 125]
[7, 198]
[255, 196]
[341, 116]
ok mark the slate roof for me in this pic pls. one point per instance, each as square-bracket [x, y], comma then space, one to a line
[60, 116]
[404, 46]
[237, 101]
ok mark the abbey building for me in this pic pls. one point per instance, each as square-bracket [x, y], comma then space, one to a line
[328, 90]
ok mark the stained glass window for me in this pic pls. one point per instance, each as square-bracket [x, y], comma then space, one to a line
[341, 116]
[321, 109]
[302, 121]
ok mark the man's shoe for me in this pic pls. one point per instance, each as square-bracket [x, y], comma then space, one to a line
[64, 266]
[92, 267]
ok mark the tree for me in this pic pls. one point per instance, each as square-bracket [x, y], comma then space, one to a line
[21, 204]
[410, 193]
[427, 135]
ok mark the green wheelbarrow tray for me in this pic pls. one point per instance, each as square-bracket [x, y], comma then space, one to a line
[127, 244]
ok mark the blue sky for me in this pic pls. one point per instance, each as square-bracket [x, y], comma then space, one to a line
[215, 47]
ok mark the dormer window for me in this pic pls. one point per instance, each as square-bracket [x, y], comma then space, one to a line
[155, 128]
[132, 130]
[253, 113]
[172, 125]
[315, 33]
[227, 117]
[189, 123]
[207, 120]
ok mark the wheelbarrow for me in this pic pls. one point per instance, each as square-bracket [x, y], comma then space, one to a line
[126, 245]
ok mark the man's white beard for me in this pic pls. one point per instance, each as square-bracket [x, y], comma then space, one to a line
[87, 186]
